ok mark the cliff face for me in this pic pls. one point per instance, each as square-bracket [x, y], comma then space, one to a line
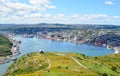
[5, 46]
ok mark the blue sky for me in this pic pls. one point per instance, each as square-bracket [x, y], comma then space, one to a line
[87, 7]
[60, 11]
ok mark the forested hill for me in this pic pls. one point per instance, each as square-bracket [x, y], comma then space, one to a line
[5, 46]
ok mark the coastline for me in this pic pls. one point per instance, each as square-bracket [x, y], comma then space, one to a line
[25, 50]
[14, 50]
[15, 47]
[83, 41]
[116, 49]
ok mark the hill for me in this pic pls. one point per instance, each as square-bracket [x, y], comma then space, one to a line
[64, 64]
[34, 28]
[5, 46]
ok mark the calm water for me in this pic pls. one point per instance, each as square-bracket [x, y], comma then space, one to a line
[35, 44]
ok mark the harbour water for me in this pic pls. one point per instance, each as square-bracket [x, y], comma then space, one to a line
[34, 45]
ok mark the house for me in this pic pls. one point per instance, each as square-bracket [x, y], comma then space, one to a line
[41, 52]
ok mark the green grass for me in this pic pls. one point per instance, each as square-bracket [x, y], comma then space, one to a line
[109, 64]
[63, 65]
[5, 46]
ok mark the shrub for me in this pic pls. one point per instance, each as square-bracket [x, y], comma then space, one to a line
[113, 68]
[66, 67]
[104, 74]
[59, 67]
[96, 58]
[48, 70]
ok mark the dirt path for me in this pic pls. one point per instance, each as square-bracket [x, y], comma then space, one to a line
[79, 62]
[73, 59]
[49, 66]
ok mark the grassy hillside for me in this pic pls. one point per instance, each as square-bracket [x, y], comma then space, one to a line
[64, 64]
[5, 46]
[108, 65]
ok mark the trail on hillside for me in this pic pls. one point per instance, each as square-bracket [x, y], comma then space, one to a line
[79, 62]
[49, 64]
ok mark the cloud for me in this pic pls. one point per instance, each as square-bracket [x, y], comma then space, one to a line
[13, 7]
[109, 2]
[62, 18]
[96, 19]
[13, 11]
[39, 3]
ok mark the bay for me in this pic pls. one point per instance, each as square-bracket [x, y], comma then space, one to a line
[34, 45]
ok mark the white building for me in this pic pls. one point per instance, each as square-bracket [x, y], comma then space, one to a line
[117, 50]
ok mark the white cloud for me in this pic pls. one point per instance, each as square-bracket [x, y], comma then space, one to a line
[61, 18]
[34, 12]
[108, 2]
[39, 3]
[15, 7]
[14, 11]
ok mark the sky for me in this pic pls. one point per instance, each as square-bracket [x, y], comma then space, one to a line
[60, 11]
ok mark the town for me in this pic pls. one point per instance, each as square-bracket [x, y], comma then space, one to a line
[100, 38]
[97, 35]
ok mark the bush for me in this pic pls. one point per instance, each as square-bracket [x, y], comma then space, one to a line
[96, 58]
[66, 67]
[59, 67]
[113, 68]
[48, 70]
[104, 74]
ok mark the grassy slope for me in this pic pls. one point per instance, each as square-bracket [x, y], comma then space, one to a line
[108, 64]
[5, 46]
[64, 65]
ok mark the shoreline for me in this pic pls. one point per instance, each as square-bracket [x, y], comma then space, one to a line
[115, 49]
[14, 50]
